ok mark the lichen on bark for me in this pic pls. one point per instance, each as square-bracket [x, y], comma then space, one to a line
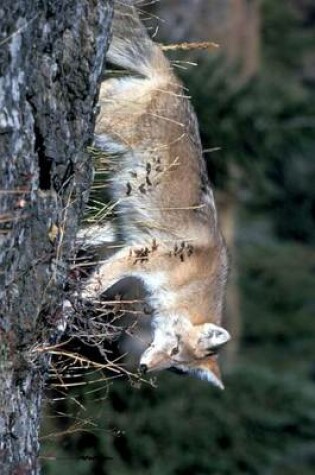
[51, 59]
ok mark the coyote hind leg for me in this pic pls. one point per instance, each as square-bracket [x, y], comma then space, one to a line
[107, 274]
[138, 261]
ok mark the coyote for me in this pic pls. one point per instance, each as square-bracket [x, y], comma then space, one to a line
[166, 210]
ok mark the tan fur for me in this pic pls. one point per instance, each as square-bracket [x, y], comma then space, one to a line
[165, 204]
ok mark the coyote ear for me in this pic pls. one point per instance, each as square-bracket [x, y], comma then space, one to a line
[212, 336]
[208, 370]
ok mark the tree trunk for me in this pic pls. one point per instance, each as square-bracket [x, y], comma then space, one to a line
[51, 60]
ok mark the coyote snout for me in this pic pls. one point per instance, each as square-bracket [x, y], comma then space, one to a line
[165, 205]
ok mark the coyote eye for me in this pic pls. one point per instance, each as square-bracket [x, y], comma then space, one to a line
[175, 351]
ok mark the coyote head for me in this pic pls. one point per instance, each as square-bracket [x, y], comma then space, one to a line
[186, 348]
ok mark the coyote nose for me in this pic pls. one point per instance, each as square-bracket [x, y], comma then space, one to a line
[143, 368]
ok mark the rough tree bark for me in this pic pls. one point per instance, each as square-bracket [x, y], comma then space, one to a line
[51, 59]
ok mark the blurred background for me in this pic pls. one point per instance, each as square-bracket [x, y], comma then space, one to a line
[255, 100]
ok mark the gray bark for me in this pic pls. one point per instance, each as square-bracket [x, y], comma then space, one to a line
[51, 60]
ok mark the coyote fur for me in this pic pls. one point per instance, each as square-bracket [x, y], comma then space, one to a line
[166, 208]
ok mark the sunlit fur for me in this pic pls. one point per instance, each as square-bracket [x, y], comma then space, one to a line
[164, 204]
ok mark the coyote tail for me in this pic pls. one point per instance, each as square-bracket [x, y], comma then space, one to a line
[131, 47]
